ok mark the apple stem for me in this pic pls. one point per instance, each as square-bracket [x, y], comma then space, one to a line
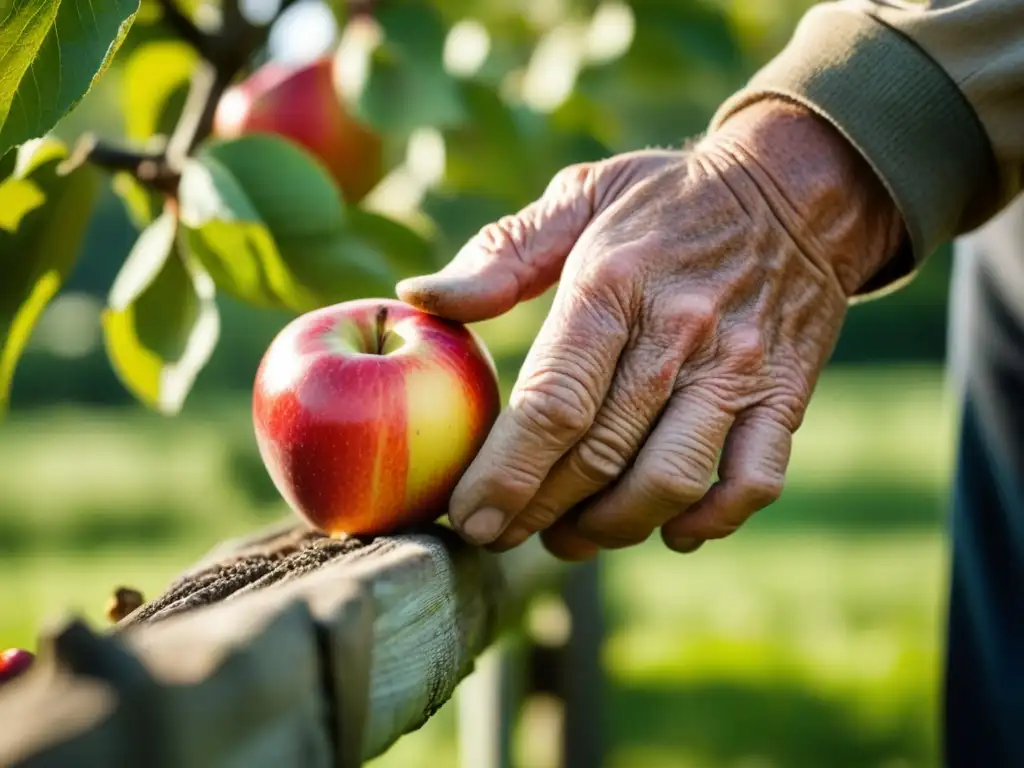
[382, 316]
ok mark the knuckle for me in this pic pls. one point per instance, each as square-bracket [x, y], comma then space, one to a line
[629, 410]
[570, 178]
[554, 403]
[603, 321]
[788, 399]
[673, 482]
[692, 314]
[515, 480]
[597, 460]
[508, 235]
[789, 410]
[745, 349]
[617, 270]
[537, 516]
[727, 392]
[619, 427]
[759, 489]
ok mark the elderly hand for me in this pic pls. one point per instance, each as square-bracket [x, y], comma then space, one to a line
[700, 293]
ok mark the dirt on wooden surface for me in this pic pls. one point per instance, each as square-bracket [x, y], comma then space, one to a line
[286, 555]
[258, 562]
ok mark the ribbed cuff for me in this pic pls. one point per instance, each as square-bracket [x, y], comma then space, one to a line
[901, 111]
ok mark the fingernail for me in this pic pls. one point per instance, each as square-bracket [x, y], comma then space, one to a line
[425, 292]
[685, 546]
[484, 525]
[409, 284]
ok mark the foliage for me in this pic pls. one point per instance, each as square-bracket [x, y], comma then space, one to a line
[478, 104]
[37, 195]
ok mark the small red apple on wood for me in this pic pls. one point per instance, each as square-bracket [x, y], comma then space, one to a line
[367, 413]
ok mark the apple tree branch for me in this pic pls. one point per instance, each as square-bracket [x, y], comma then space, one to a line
[223, 54]
[184, 27]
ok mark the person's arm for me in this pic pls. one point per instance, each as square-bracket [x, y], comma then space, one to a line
[931, 94]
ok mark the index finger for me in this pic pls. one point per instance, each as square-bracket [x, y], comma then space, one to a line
[560, 387]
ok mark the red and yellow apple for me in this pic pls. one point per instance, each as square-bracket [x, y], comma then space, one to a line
[14, 662]
[368, 412]
[301, 103]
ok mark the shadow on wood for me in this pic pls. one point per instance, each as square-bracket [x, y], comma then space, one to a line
[283, 648]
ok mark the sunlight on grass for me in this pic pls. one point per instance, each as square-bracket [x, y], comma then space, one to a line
[41, 589]
[889, 425]
[846, 607]
[844, 629]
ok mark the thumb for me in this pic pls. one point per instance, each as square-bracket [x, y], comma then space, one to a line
[513, 259]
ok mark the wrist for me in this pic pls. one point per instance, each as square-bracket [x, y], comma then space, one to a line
[817, 184]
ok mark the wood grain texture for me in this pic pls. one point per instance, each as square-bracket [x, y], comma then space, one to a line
[326, 665]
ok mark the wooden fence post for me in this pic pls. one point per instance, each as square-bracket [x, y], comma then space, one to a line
[581, 686]
[568, 669]
[488, 703]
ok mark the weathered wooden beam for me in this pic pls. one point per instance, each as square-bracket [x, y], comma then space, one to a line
[317, 665]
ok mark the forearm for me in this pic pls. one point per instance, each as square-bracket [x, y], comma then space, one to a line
[928, 94]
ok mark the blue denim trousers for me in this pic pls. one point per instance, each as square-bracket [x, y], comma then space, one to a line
[983, 697]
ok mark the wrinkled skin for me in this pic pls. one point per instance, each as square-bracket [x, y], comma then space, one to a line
[700, 293]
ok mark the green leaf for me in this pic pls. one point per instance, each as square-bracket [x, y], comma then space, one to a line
[151, 11]
[338, 268]
[556, 149]
[688, 49]
[44, 214]
[156, 78]
[406, 251]
[398, 83]
[287, 185]
[51, 53]
[267, 222]
[460, 217]
[140, 203]
[699, 31]
[149, 25]
[488, 154]
[509, 153]
[162, 324]
[7, 164]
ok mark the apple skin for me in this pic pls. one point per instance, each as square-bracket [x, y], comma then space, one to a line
[13, 662]
[366, 439]
[301, 103]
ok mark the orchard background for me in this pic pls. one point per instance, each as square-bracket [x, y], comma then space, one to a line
[132, 326]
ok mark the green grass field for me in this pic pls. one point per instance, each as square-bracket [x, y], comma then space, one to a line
[812, 637]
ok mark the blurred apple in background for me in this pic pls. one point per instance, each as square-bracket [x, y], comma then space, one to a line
[300, 102]
[13, 662]
[368, 412]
